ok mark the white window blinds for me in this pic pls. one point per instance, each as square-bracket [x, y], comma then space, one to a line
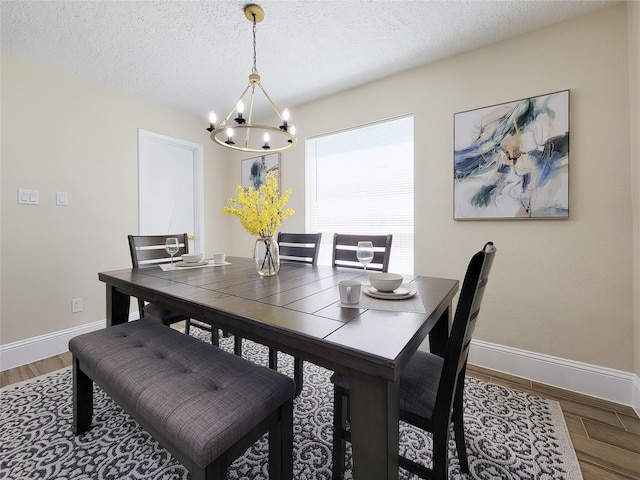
[360, 181]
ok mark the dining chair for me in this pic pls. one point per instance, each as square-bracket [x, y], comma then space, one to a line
[344, 251]
[300, 248]
[431, 387]
[147, 250]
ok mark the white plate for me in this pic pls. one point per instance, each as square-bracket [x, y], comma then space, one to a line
[191, 264]
[404, 291]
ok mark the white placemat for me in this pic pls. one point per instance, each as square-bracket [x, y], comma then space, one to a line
[167, 266]
[413, 304]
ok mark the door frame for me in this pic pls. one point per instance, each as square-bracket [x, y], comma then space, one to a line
[197, 150]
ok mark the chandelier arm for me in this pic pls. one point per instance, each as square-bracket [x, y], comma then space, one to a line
[248, 132]
[253, 91]
[273, 105]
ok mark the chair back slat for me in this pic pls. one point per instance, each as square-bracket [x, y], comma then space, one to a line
[150, 249]
[299, 247]
[345, 246]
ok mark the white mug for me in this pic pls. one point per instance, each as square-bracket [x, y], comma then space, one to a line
[218, 257]
[349, 291]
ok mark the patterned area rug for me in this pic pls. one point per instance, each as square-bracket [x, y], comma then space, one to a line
[510, 435]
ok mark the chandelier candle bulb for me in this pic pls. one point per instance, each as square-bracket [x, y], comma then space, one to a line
[212, 121]
[240, 110]
[266, 141]
[229, 137]
[285, 119]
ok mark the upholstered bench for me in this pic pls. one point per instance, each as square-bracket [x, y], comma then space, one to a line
[204, 405]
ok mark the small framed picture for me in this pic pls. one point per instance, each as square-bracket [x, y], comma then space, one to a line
[254, 170]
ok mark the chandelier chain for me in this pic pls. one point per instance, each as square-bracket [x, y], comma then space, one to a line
[254, 69]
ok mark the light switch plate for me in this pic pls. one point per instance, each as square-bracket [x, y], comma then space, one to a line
[28, 197]
[62, 198]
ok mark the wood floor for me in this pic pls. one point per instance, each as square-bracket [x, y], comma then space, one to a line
[606, 436]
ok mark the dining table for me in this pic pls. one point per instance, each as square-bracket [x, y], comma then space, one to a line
[298, 311]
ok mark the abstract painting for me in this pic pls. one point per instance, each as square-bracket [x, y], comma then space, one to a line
[254, 170]
[511, 161]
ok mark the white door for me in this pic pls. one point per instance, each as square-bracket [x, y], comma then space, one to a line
[170, 187]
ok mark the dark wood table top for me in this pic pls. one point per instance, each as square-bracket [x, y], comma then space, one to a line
[296, 311]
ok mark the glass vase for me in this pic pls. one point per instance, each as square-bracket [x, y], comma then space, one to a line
[267, 255]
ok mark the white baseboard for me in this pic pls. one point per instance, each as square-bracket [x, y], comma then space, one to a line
[636, 395]
[43, 346]
[605, 383]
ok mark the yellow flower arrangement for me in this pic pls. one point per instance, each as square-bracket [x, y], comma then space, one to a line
[260, 211]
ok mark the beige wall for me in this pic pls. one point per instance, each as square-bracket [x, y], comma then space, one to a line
[634, 103]
[562, 288]
[60, 134]
[559, 287]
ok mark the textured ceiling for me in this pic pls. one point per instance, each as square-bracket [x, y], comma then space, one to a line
[197, 55]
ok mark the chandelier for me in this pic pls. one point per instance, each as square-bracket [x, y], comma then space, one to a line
[242, 134]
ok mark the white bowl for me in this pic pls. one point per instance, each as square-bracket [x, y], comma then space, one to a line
[192, 257]
[385, 282]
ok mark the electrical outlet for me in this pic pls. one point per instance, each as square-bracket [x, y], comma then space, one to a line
[76, 305]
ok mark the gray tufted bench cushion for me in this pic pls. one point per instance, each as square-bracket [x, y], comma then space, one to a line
[202, 404]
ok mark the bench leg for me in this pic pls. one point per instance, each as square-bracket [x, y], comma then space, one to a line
[281, 445]
[82, 399]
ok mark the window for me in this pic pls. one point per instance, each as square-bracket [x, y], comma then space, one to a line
[360, 181]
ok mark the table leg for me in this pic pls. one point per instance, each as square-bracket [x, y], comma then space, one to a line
[439, 335]
[374, 427]
[117, 306]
